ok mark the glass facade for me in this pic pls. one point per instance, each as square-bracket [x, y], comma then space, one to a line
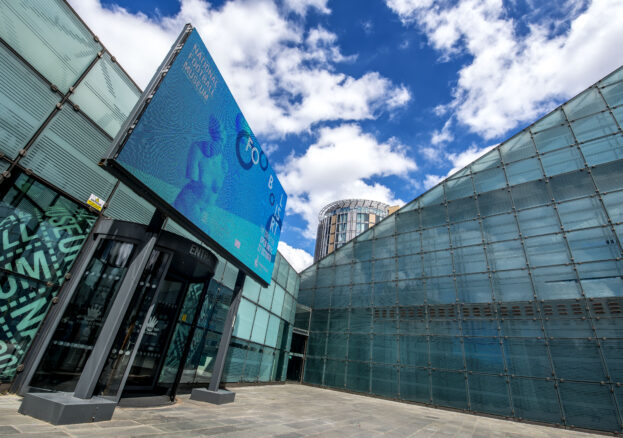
[63, 98]
[498, 291]
[263, 330]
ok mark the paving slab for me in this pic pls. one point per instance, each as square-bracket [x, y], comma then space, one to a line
[285, 411]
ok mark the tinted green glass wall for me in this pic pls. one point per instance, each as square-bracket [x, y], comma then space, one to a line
[498, 291]
[263, 329]
[63, 97]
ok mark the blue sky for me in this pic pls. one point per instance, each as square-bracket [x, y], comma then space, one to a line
[377, 99]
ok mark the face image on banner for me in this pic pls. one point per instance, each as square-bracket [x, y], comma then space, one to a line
[194, 149]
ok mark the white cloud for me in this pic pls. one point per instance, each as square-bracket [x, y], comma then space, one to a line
[298, 258]
[514, 76]
[282, 75]
[444, 135]
[301, 6]
[338, 166]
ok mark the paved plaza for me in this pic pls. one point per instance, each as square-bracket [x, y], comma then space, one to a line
[280, 411]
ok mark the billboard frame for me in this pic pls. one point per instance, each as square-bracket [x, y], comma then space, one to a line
[110, 163]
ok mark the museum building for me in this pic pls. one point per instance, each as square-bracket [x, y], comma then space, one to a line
[64, 265]
[499, 291]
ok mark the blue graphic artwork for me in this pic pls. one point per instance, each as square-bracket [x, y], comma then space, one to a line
[194, 149]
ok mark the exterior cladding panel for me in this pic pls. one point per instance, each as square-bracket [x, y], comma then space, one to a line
[500, 290]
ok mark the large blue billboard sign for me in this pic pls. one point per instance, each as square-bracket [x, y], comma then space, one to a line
[192, 147]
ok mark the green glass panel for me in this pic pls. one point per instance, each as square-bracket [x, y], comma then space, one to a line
[603, 150]
[618, 114]
[536, 400]
[558, 282]
[50, 37]
[435, 238]
[106, 95]
[66, 154]
[251, 289]
[126, 205]
[608, 176]
[483, 355]
[489, 394]
[490, 179]
[25, 102]
[536, 221]
[587, 102]
[518, 147]
[335, 374]
[602, 279]
[613, 94]
[523, 171]
[527, 357]
[433, 215]
[359, 347]
[489, 160]
[415, 385]
[358, 377]
[410, 266]
[384, 247]
[282, 273]
[448, 389]
[266, 366]
[593, 244]
[440, 290]
[589, 405]
[260, 324]
[562, 161]
[473, 288]
[512, 286]
[457, 188]
[555, 118]
[244, 320]
[500, 227]
[582, 213]
[553, 138]
[594, 126]
[465, 233]
[614, 205]
[613, 77]
[273, 331]
[547, 250]
[384, 381]
[278, 298]
[462, 209]
[437, 263]
[506, 255]
[266, 295]
[531, 194]
[571, 185]
[470, 259]
[433, 196]
[387, 227]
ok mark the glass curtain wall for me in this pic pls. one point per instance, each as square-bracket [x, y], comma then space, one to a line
[498, 291]
[263, 329]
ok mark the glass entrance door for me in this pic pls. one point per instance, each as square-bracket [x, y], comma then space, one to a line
[143, 377]
[80, 325]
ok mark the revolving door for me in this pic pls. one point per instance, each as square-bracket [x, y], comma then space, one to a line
[142, 359]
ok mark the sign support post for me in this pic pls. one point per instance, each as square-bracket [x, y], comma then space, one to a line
[213, 394]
